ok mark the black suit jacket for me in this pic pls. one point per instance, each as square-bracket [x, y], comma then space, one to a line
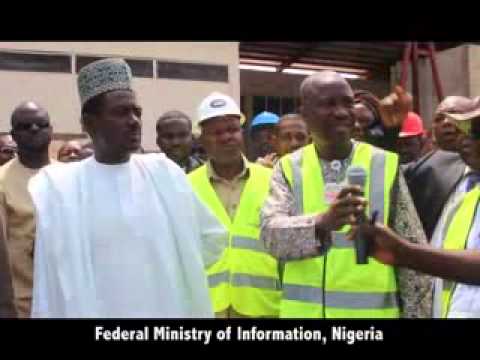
[431, 180]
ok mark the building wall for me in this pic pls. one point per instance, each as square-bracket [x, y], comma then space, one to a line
[255, 83]
[474, 70]
[281, 84]
[57, 91]
[459, 71]
[454, 68]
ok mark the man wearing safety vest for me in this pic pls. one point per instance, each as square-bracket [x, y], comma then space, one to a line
[455, 255]
[244, 282]
[310, 209]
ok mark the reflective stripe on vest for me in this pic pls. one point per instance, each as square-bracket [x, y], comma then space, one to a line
[259, 282]
[246, 277]
[217, 278]
[243, 242]
[457, 238]
[337, 299]
[303, 290]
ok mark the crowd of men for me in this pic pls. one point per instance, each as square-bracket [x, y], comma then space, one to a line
[199, 229]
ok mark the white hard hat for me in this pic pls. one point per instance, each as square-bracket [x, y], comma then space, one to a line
[217, 104]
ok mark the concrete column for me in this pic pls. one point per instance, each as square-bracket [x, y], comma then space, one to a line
[474, 70]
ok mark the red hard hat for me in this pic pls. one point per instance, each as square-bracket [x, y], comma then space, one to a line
[412, 126]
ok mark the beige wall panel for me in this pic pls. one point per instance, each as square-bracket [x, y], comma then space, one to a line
[58, 93]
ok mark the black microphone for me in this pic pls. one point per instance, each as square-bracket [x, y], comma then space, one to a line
[357, 175]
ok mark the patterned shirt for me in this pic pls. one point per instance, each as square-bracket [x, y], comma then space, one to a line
[292, 237]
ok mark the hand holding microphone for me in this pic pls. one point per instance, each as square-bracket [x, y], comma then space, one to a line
[357, 175]
[345, 209]
[349, 209]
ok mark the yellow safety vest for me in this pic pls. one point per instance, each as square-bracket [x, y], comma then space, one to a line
[246, 276]
[333, 286]
[458, 231]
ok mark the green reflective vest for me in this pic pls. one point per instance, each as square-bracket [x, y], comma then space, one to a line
[333, 285]
[457, 237]
[246, 276]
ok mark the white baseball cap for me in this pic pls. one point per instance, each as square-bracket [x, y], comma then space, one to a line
[218, 104]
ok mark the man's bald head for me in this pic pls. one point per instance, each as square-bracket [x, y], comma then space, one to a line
[321, 80]
[327, 107]
[28, 107]
[31, 127]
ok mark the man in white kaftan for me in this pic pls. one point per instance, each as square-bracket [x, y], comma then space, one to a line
[120, 235]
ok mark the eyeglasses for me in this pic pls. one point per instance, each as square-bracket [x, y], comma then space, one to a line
[28, 126]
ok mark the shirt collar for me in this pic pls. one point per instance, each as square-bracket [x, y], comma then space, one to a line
[214, 176]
